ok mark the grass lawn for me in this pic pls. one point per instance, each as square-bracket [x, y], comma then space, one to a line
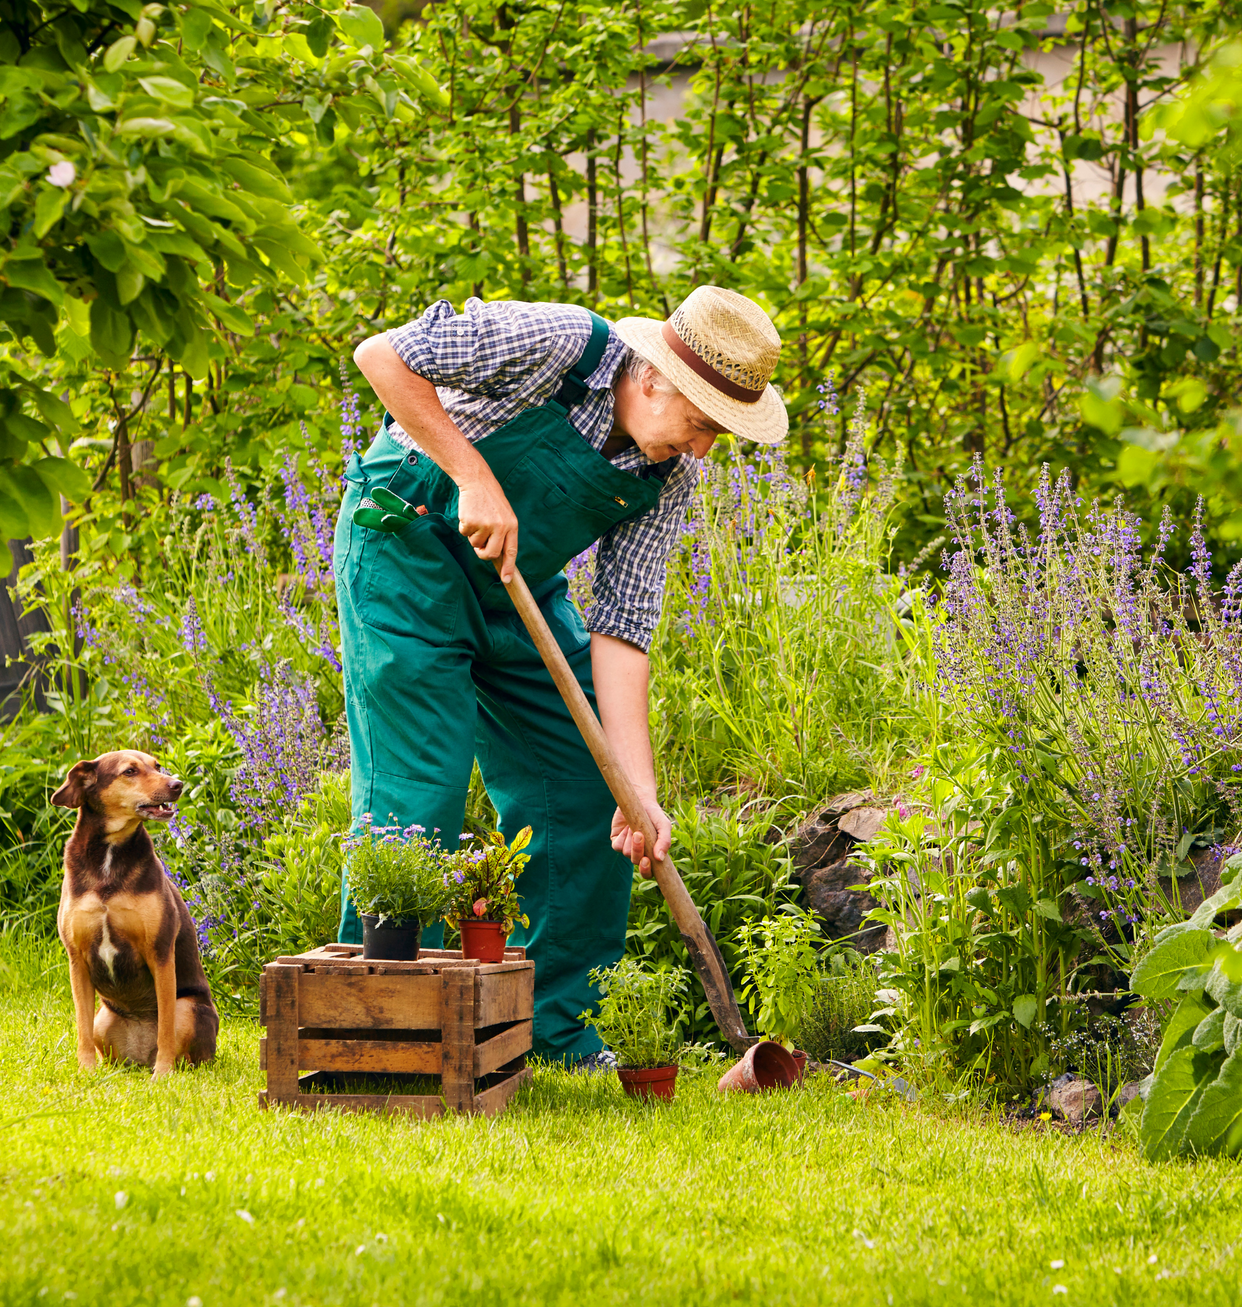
[117, 1190]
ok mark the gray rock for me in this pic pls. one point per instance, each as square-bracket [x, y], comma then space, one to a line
[1129, 1093]
[818, 841]
[1074, 1100]
[862, 824]
[840, 909]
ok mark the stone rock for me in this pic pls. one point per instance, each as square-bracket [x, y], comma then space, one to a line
[862, 824]
[819, 841]
[840, 909]
[1129, 1093]
[1073, 1099]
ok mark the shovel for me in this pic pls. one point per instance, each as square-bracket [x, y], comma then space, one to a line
[699, 941]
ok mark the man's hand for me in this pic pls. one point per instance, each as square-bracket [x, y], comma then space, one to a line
[486, 519]
[630, 842]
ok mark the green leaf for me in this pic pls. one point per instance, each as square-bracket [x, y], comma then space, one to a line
[117, 53]
[169, 90]
[14, 524]
[1022, 358]
[1048, 909]
[1024, 1009]
[41, 505]
[112, 334]
[1172, 1101]
[362, 26]
[150, 128]
[256, 179]
[282, 260]
[319, 35]
[1232, 1033]
[64, 477]
[1156, 976]
[1225, 990]
[33, 275]
[1209, 1034]
[49, 206]
[232, 317]
[1180, 1028]
[1216, 1126]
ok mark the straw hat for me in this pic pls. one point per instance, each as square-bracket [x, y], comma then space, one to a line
[719, 349]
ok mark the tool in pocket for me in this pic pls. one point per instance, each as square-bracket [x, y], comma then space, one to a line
[391, 513]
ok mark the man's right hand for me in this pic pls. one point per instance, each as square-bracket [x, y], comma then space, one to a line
[486, 519]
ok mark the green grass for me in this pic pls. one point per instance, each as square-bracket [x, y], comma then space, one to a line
[577, 1195]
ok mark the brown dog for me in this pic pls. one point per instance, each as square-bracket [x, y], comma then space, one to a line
[125, 925]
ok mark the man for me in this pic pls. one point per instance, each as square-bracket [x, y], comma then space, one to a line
[526, 432]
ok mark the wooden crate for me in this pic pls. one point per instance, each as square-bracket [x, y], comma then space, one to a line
[330, 1014]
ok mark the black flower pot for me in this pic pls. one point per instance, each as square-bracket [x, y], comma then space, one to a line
[390, 941]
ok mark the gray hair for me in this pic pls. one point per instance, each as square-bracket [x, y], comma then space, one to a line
[639, 368]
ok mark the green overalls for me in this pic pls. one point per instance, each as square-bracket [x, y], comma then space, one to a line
[439, 670]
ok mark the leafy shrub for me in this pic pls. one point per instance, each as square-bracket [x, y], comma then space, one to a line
[640, 1013]
[736, 866]
[782, 972]
[844, 999]
[1194, 1101]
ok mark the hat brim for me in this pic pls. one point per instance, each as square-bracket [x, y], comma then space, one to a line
[766, 421]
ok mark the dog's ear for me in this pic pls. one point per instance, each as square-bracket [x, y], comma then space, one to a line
[81, 778]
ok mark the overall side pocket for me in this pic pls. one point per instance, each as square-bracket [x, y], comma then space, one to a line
[406, 582]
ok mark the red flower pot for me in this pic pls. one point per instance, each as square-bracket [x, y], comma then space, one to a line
[766, 1066]
[484, 941]
[799, 1058]
[648, 1082]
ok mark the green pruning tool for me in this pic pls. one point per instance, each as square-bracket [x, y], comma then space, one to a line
[392, 512]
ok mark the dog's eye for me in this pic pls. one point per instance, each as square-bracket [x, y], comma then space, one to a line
[131, 771]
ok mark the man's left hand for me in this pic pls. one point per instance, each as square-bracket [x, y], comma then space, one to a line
[631, 842]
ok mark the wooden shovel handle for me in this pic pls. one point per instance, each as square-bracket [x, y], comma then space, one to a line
[698, 939]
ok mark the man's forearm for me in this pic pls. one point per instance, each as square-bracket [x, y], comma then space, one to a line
[621, 671]
[413, 401]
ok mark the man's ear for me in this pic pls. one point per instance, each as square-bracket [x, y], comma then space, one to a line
[81, 778]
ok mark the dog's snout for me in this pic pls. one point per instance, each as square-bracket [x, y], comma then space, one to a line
[175, 787]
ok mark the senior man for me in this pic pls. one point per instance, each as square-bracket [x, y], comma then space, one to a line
[528, 432]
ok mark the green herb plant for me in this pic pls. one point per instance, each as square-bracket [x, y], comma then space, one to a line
[396, 874]
[782, 972]
[1194, 1096]
[641, 1013]
[836, 1021]
[482, 881]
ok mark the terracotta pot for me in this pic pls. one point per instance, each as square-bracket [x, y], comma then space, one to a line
[766, 1066]
[648, 1082]
[484, 941]
[799, 1058]
[390, 941]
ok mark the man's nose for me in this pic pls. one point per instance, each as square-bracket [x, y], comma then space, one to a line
[700, 446]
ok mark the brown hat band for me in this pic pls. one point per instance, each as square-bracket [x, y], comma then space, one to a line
[705, 370]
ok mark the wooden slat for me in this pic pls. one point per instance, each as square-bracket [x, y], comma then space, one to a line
[503, 1048]
[397, 1056]
[506, 996]
[282, 1030]
[457, 1034]
[420, 1105]
[384, 1002]
[492, 1101]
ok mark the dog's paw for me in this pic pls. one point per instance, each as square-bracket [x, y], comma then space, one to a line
[161, 1069]
[87, 1059]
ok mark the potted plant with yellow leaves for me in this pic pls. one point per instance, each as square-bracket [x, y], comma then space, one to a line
[483, 900]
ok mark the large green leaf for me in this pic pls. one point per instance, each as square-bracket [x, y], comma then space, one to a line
[1156, 976]
[64, 477]
[14, 524]
[1172, 1101]
[1223, 987]
[41, 505]
[1180, 1028]
[1216, 1126]
[112, 334]
[362, 26]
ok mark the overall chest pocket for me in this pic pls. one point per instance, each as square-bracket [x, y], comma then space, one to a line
[559, 515]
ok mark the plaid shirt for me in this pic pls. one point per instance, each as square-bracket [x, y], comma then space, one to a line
[496, 359]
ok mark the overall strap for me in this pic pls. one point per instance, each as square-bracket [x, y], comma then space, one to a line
[574, 388]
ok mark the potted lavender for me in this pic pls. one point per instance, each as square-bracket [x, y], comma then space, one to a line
[483, 901]
[397, 879]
